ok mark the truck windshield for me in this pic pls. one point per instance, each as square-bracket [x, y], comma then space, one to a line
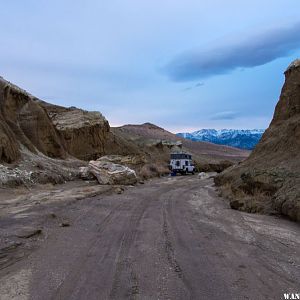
[180, 156]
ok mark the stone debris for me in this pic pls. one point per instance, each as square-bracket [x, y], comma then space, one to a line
[8, 174]
[119, 190]
[111, 173]
[28, 232]
[64, 224]
[203, 175]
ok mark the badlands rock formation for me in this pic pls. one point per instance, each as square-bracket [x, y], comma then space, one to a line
[24, 121]
[269, 180]
[42, 142]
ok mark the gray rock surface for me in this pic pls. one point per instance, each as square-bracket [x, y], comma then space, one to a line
[111, 173]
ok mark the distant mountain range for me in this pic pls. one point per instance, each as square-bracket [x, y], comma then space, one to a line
[239, 138]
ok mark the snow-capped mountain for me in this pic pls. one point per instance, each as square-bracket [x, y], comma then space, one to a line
[239, 138]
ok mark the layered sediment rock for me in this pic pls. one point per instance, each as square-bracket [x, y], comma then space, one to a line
[110, 173]
[52, 130]
[24, 121]
[84, 134]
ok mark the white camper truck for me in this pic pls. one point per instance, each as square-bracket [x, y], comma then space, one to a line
[181, 163]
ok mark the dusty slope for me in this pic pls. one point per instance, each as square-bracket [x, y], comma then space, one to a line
[269, 180]
[208, 156]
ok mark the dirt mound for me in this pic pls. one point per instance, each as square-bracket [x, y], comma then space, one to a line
[269, 180]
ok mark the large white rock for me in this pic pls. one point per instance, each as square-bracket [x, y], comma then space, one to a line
[203, 175]
[110, 173]
[84, 172]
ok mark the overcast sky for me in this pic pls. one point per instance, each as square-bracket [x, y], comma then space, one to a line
[183, 65]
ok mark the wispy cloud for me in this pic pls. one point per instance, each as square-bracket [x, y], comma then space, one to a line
[224, 115]
[253, 51]
[194, 86]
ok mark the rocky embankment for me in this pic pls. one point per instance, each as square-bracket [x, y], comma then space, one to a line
[269, 180]
[41, 142]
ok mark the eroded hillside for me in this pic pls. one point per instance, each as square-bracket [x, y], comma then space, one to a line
[269, 180]
[42, 142]
[207, 156]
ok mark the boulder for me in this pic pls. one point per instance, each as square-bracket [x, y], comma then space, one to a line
[28, 232]
[203, 175]
[84, 173]
[111, 173]
[128, 160]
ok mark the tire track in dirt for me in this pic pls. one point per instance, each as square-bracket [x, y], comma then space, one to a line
[125, 264]
[170, 247]
[75, 272]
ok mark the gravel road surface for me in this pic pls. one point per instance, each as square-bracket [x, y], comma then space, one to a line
[171, 238]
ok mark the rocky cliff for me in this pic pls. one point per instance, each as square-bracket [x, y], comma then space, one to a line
[55, 131]
[24, 121]
[48, 142]
[269, 180]
[85, 135]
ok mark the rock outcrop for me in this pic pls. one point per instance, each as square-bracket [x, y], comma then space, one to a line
[55, 131]
[110, 173]
[42, 142]
[269, 180]
[83, 134]
[24, 121]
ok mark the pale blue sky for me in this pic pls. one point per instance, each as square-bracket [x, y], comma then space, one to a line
[183, 65]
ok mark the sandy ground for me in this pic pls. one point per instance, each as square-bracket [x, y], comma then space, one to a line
[171, 238]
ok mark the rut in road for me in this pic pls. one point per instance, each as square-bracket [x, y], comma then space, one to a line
[66, 287]
[124, 265]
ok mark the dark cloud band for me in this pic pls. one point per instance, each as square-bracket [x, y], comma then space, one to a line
[255, 51]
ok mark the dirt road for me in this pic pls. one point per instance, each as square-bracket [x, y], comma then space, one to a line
[170, 238]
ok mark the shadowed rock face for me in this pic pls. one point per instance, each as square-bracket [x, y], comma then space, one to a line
[84, 134]
[24, 121]
[55, 131]
[269, 180]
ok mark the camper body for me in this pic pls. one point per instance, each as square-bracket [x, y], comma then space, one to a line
[181, 163]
